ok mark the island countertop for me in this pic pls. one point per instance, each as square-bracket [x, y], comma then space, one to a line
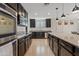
[68, 37]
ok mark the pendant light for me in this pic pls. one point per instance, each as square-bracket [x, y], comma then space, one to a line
[57, 14]
[46, 3]
[76, 8]
[63, 15]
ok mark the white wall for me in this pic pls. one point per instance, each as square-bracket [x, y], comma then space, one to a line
[65, 28]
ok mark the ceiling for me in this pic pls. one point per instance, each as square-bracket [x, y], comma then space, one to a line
[39, 10]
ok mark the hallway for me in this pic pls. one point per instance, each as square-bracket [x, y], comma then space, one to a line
[39, 47]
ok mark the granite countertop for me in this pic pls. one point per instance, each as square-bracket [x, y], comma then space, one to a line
[6, 40]
[20, 36]
[68, 37]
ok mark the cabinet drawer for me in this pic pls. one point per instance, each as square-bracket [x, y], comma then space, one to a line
[20, 41]
[64, 52]
[76, 51]
[21, 49]
[66, 45]
[55, 48]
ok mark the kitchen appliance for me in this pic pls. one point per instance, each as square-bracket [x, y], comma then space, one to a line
[7, 24]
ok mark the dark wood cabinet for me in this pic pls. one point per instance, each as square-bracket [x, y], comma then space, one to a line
[64, 52]
[24, 44]
[55, 47]
[48, 22]
[61, 47]
[22, 15]
[53, 43]
[76, 51]
[50, 41]
[32, 23]
[21, 49]
[38, 34]
[66, 49]
[13, 5]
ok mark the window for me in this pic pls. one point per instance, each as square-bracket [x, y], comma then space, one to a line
[32, 23]
[40, 23]
[48, 22]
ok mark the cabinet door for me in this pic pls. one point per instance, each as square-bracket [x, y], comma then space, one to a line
[12, 5]
[77, 52]
[25, 46]
[32, 23]
[21, 49]
[64, 52]
[48, 22]
[55, 47]
[50, 42]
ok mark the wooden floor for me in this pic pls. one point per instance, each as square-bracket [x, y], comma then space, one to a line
[39, 47]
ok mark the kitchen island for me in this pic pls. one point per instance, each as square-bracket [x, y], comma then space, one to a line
[64, 44]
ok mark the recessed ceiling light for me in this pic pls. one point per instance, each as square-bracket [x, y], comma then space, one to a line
[48, 13]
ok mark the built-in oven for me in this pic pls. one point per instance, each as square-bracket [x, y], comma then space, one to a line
[7, 24]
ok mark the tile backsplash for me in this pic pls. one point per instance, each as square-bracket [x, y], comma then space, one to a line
[21, 30]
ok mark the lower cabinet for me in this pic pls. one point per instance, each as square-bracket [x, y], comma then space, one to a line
[61, 47]
[38, 35]
[50, 42]
[66, 49]
[64, 52]
[24, 44]
[76, 52]
[53, 43]
[55, 47]
[21, 49]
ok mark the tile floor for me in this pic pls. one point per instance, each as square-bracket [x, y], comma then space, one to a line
[39, 47]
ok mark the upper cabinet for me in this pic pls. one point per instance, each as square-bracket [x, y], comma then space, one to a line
[22, 15]
[48, 22]
[12, 5]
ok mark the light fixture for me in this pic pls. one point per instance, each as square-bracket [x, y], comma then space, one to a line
[75, 8]
[57, 19]
[48, 13]
[63, 15]
[46, 3]
[57, 14]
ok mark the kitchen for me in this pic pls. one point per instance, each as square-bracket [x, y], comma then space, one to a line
[39, 29]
